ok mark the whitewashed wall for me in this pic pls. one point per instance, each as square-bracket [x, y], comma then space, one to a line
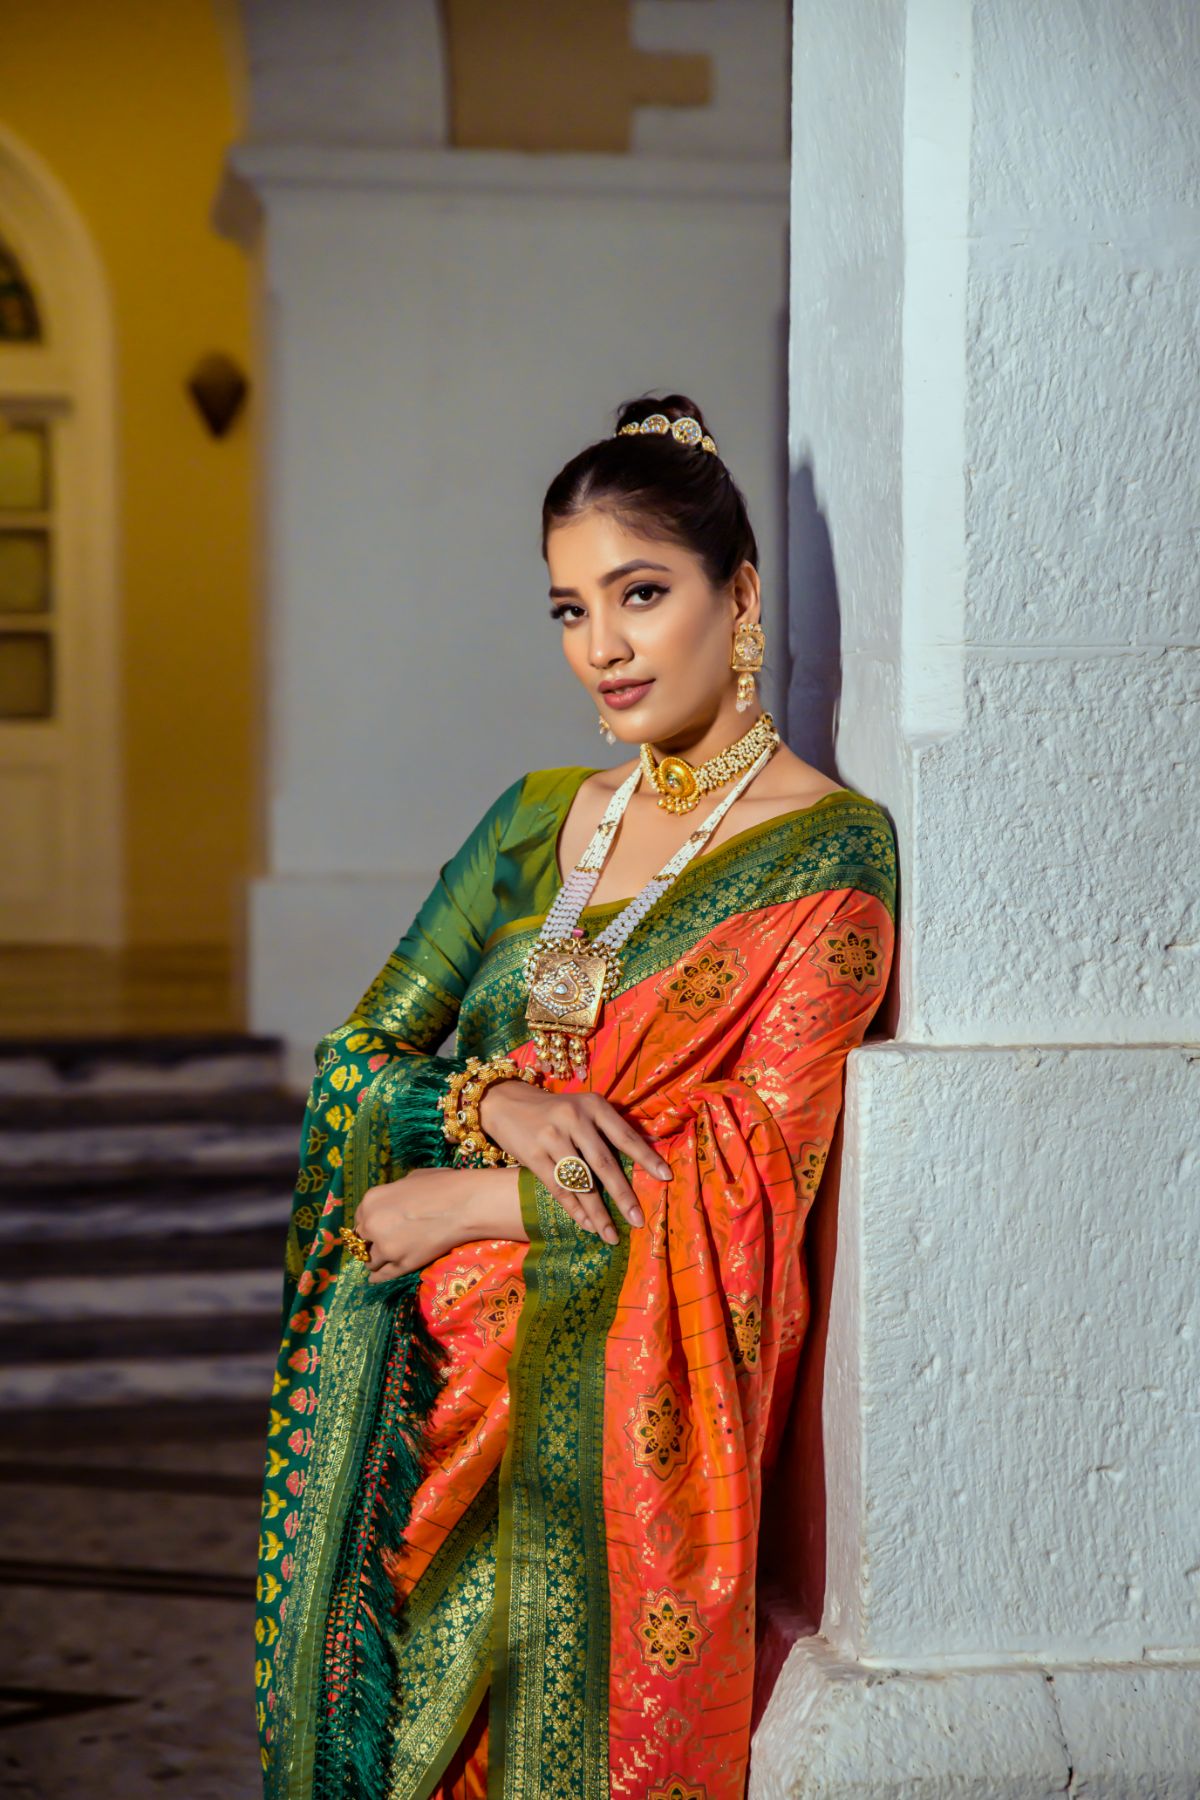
[994, 365]
[446, 328]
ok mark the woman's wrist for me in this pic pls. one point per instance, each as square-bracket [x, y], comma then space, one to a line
[488, 1204]
[466, 1089]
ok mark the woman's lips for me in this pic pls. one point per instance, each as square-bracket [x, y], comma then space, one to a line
[628, 696]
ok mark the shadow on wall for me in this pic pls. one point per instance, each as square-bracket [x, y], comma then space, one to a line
[794, 1526]
[792, 1559]
[814, 627]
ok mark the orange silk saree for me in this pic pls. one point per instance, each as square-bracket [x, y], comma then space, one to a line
[512, 1501]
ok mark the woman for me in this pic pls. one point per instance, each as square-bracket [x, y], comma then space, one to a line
[544, 1298]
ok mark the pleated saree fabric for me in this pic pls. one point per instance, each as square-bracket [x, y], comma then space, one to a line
[512, 1501]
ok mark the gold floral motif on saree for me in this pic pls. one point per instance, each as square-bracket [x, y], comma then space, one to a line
[455, 1286]
[656, 1225]
[659, 1431]
[671, 1632]
[850, 957]
[792, 1329]
[699, 983]
[673, 1727]
[810, 1166]
[745, 1331]
[704, 1145]
[678, 1790]
[498, 1307]
[665, 1526]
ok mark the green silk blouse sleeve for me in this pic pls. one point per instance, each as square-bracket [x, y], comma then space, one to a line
[413, 1002]
[405, 1014]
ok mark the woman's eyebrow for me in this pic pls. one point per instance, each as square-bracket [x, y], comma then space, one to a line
[559, 593]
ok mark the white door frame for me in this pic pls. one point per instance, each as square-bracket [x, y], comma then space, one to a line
[72, 376]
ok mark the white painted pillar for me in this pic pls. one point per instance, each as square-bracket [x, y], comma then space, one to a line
[995, 278]
[448, 328]
[445, 329]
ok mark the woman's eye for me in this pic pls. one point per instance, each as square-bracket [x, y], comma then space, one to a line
[561, 610]
[647, 587]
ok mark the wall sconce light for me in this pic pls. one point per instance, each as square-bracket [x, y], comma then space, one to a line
[219, 389]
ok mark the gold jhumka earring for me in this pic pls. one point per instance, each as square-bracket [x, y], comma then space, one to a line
[748, 641]
[606, 730]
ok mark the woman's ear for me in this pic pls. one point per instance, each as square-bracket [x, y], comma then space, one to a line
[746, 594]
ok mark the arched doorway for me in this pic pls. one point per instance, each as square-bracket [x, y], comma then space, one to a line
[60, 876]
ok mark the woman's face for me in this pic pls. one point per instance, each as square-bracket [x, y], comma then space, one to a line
[634, 609]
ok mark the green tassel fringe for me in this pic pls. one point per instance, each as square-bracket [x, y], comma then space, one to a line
[414, 1112]
[359, 1693]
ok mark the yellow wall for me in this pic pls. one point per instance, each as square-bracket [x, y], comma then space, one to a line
[132, 103]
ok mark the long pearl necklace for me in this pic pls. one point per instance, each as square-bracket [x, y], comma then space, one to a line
[570, 977]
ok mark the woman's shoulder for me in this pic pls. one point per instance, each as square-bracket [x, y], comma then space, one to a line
[538, 786]
[535, 803]
[849, 838]
[838, 837]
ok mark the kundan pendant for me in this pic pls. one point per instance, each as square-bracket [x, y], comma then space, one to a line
[566, 990]
[569, 976]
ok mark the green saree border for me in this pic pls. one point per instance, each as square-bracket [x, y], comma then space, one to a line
[361, 1333]
[842, 841]
[358, 1335]
[863, 852]
[443, 1651]
[548, 1716]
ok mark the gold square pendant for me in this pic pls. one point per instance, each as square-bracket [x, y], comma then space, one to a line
[567, 990]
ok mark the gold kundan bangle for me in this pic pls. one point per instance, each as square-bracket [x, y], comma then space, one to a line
[460, 1105]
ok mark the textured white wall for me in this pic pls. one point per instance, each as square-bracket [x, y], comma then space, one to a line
[1071, 788]
[845, 417]
[447, 328]
[995, 275]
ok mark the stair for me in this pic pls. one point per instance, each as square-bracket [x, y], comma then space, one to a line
[145, 1185]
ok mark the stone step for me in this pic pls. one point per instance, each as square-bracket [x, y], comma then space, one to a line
[80, 1216]
[31, 1114]
[87, 1187]
[220, 1332]
[204, 1146]
[254, 1248]
[85, 1295]
[136, 1381]
[212, 1062]
[145, 1188]
[125, 1432]
[75, 1340]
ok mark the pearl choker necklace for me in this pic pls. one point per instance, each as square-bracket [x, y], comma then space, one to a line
[568, 977]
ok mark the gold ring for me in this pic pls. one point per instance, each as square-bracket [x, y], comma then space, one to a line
[357, 1246]
[573, 1173]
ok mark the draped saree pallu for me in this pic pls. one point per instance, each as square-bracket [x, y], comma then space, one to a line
[512, 1500]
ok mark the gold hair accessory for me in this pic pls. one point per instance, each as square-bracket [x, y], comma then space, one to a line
[685, 431]
[574, 1174]
[357, 1246]
[680, 783]
[748, 641]
[460, 1105]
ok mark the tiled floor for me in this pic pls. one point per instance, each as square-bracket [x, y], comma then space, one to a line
[126, 1586]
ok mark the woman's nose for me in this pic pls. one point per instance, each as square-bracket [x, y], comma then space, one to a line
[606, 643]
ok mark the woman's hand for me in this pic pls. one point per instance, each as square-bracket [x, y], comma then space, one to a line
[537, 1127]
[411, 1222]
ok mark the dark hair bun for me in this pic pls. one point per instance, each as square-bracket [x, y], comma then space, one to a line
[650, 480]
[672, 406]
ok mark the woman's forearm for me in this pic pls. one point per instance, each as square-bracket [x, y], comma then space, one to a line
[488, 1203]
